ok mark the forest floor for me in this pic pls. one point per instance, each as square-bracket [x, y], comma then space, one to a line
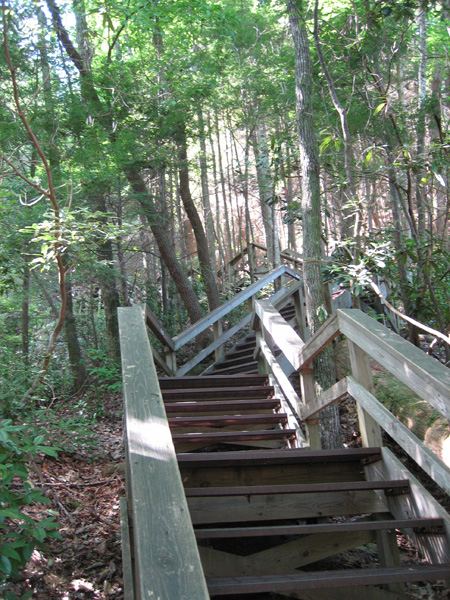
[84, 486]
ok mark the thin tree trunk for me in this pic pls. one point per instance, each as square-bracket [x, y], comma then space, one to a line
[25, 320]
[311, 222]
[206, 202]
[206, 267]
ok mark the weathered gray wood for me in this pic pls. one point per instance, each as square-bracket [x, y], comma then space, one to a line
[155, 326]
[308, 392]
[161, 363]
[324, 335]
[212, 347]
[127, 564]
[291, 506]
[416, 449]
[200, 326]
[280, 331]
[166, 556]
[419, 503]
[423, 374]
[369, 428]
[332, 394]
[278, 374]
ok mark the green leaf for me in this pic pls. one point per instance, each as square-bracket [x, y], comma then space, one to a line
[379, 108]
[5, 564]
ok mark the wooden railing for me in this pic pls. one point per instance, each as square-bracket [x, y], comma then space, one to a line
[214, 321]
[162, 554]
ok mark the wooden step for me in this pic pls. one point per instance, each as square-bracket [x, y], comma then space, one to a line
[225, 420]
[212, 381]
[218, 393]
[222, 586]
[234, 361]
[233, 436]
[223, 406]
[390, 487]
[249, 368]
[277, 457]
[432, 526]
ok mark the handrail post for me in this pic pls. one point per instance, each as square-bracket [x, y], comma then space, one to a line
[218, 331]
[300, 317]
[369, 428]
[308, 394]
[171, 359]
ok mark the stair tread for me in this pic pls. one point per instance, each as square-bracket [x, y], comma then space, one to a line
[270, 457]
[234, 435]
[223, 420]
[325, 579]
[222, 392]
[209, 381]
[249, 404]
[299, 488]
[238, 532]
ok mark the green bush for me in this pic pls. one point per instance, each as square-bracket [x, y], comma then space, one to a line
[19, 533]
[105, 371]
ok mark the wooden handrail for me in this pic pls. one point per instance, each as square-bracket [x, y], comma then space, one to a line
[203, 324]
[166, 559]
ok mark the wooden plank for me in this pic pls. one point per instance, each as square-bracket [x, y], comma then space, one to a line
[156, 327]
[200, 356]
[210, 381]
[356, 592]
[270, 474]
[281, 457]
[283, 506]
[277, 372]
[166, 556]
[232, 436]
[200, 394]
[127, 563]
[223, 406]
[324, 335]
[222, 586]
[419, 503]
[423, 374]
[417, 450]
[225, 420]
[369, 428]
[161, 362]
[220, 312]
[280, 331]
[397, 485]
[332, 394]
[282, 558]
[321, 528]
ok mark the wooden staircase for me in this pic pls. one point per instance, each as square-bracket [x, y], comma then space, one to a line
[225, 500]
[267, 521]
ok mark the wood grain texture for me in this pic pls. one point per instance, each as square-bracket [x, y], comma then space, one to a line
[166, 556]
[421, 373]
[417, 450]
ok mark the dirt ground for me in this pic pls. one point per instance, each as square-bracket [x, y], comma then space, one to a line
[84, 489]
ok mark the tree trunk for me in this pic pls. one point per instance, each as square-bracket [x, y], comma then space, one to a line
[312, 225]
[25, 320]
[206, 203]
[206, 267]
[73, 345]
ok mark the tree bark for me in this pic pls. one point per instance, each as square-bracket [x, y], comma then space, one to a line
[311, 218]
[206, 267]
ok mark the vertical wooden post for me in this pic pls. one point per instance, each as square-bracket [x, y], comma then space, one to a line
[388, 552]
[171, 359]
[369, 428]
[308, 394]
[218, 331]
[300, 316]
[263, 367]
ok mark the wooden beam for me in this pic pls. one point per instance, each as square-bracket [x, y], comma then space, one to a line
[280, 331]
[324, 335]
[155, 326]
[419, 503]
[332, 394]
[421, 373]
[284, 506]
[212, 347]
[203, 324]
[166, 556]
[416, 449]
[127, 562]
[161, 363]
